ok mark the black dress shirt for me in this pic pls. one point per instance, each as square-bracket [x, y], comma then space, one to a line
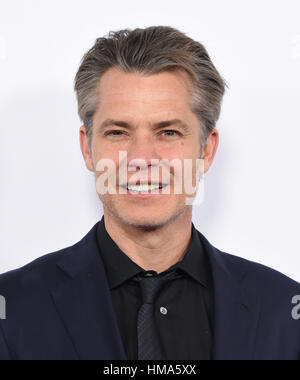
[186, 330]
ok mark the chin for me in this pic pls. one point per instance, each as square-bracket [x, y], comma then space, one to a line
[144, 222]
[148, 225]
[146, 218]
[149, 222]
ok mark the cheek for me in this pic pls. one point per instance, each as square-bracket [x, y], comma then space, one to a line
[105, 151]
[181, 150]
[172, 151]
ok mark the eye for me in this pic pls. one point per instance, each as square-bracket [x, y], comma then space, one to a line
[171, 132]
[115, 132]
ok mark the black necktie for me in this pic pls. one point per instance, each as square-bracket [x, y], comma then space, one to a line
[149, 345]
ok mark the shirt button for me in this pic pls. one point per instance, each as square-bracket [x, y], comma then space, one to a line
[163, 310]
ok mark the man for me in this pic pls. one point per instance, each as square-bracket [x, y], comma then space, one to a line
[144, 283]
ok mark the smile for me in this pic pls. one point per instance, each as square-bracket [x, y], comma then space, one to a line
[144, 188]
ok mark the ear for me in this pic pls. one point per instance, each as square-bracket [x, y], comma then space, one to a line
[210, 149]
[84, 146]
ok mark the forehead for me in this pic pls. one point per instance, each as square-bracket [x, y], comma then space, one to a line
[166, 87]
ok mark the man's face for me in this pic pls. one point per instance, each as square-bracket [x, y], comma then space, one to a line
[141, 103]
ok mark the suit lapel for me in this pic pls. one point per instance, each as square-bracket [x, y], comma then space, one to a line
[236, 309]
[84, 303]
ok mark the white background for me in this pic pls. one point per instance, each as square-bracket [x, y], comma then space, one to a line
[48, 198]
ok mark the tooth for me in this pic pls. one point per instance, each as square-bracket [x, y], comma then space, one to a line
[143, 188]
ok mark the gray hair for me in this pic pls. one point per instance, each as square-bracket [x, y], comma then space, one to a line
[150, 51]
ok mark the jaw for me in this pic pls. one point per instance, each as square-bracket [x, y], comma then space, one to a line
[152, 212]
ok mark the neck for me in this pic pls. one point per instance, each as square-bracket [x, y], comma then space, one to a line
[155, 249]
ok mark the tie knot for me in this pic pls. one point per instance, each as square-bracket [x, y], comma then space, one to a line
[150, 283]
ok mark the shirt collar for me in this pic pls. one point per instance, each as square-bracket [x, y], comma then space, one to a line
[195, 261]
[119, 267]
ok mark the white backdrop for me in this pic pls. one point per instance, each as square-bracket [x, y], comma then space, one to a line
[48, 198]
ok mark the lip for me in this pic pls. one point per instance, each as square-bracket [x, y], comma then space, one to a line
[151, 194]
[145, 182]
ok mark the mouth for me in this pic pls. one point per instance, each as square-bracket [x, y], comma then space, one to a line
[145, 188]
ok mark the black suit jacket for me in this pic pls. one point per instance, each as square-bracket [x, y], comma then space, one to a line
[59, 307]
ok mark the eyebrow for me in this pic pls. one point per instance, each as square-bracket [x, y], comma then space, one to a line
[162, 124]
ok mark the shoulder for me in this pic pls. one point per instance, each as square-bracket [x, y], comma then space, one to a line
[34, 271]
[45, 269]
[244, 270]
[269, 280]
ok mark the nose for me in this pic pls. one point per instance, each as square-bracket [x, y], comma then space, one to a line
[141, 152]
